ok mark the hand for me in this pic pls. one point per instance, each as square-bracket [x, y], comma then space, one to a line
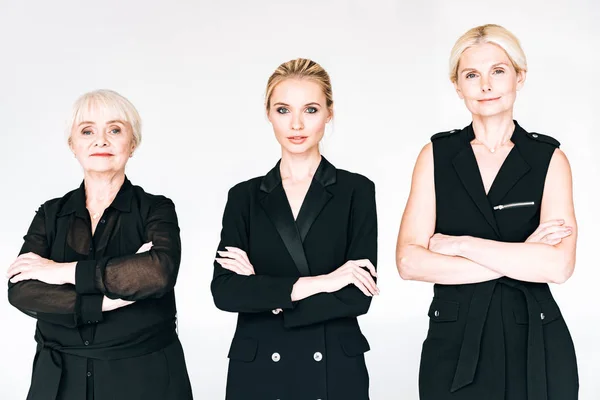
[445, 244]
[31, 266]
[352, 272]
[113, 304]
[550, 232]
[235, 260]
[145, 247]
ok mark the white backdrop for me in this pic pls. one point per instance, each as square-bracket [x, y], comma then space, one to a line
[196, 71]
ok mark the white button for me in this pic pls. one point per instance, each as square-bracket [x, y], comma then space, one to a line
[436, 313]
[318, 356]
[276, 311]
[542, 316]
[275, 357]
[534, 135]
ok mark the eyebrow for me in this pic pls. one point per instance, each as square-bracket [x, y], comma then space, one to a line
[114, 121]
[287, 105]
[474, 69]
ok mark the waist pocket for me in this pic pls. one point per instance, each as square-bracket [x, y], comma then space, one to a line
[354, 344]
[549, 312]
[443, 310]
[243, 349]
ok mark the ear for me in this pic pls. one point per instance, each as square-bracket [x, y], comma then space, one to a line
[458, 90]
[70, 142]
[521, 76]
[330, 117]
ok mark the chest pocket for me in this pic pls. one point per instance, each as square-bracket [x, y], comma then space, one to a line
[517, 219]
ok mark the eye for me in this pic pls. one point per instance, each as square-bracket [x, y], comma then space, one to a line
[470, 75]
[86, 132]
[311, 110]
[498, 71]
[282, 110]
[115, 131]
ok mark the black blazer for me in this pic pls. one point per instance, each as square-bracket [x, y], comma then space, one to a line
[314, 348]
[83, 353]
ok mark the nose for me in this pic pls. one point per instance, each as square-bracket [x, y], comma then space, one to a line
[297, 123]
[486, 86]
[101, 140]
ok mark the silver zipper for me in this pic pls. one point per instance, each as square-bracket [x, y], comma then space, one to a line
[511, 205]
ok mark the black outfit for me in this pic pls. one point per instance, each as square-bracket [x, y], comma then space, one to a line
[503, 339]
[314, 348]
[129, 353]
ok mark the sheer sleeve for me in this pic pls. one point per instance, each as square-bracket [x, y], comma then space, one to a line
[52, 303]
[136, 277]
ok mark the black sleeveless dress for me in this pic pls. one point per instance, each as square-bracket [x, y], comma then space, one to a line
[503, 339]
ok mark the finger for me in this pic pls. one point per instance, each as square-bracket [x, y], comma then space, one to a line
[30, 256]
[144, 247]
[555, 228]
[21, 277]
[551, 222]
[366, 280]
[235, 256]
[557, 235]
[18, 267]
[372, 286]
[361, 287]
[236, 264]
[232, 268]
[238, 251]
[367, 264]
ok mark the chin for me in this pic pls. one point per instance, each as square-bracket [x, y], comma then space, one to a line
[300, 149]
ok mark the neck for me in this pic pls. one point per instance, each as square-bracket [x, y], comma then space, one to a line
[495, 130]
[101, 188]
[298, 167]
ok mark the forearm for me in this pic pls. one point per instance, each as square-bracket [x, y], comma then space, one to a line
[531, 262]
[417, 263]
[306, 287]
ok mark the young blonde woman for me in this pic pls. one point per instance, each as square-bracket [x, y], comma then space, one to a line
[490, 221]
[297, 258]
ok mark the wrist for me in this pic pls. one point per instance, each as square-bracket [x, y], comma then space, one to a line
[462, 245]
[68, 272]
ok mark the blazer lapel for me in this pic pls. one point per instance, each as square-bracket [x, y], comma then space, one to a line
[276, 206]
[316, 197]
[513, 169]
[467, 169]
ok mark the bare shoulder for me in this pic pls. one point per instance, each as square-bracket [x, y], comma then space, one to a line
[559, 164]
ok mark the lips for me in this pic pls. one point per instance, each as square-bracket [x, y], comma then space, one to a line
[101, 155]
[491, 99]
[297, 139]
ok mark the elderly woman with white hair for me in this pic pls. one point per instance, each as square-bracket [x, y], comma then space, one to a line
[98, 269]
[490, 221]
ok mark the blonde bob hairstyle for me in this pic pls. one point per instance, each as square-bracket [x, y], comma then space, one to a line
[300, 68]
[490, 33]
[115, 105]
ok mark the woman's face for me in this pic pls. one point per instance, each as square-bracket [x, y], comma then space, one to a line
[487, 81]
[298, 113]
[101, 142]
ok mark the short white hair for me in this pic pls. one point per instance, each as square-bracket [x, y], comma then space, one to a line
[490, 33]
[118, 106]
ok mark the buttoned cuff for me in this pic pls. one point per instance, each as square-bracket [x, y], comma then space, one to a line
[89, 308]
[85, 277]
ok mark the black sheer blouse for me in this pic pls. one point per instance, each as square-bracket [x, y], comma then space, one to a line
[80, 348]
